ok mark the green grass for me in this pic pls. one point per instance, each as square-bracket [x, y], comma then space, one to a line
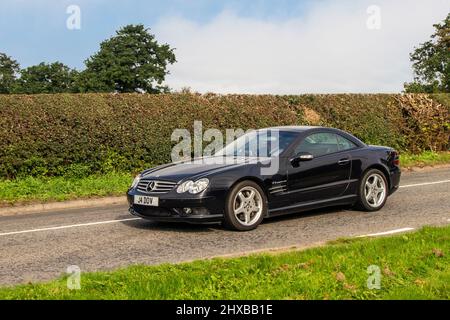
[31, 189]
[413, 266]
[427, 158]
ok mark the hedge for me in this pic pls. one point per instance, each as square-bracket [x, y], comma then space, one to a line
[81, 134]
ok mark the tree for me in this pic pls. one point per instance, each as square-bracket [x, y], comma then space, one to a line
[431, 62]
[130, 61]
[46, 78]
[9, 69]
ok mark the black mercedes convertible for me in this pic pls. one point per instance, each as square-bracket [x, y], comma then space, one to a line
[301, 168]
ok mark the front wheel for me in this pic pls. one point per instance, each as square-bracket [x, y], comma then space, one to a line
[373, 191]
[245, 207]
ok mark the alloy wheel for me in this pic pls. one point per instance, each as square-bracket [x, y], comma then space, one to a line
[248, 206]
[375, 190]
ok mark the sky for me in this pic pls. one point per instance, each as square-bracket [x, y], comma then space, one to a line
[246, 46]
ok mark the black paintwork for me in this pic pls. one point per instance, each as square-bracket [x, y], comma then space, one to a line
[326, 180]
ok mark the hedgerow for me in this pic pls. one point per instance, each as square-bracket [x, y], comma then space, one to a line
[80, 134]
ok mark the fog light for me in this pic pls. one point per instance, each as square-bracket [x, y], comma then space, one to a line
[187, 210]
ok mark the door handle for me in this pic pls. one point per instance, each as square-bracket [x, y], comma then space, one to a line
[343, 161]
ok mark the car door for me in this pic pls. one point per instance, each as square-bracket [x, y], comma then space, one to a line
[326, 175]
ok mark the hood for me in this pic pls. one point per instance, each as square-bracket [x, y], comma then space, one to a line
[198, 168]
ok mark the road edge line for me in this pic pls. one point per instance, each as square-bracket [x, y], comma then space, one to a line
[386, 233]
[424, 184]
[70, 226]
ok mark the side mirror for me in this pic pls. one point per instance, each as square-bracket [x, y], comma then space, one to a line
[302, 156]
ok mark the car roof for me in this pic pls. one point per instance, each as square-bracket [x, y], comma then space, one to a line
[294, 128]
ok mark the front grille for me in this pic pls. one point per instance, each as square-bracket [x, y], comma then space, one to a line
[159, 186]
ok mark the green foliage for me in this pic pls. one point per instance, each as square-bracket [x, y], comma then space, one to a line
[9, 69]
[431, 62]
[53, 135]
[46, 78]
[412, 266]
[131, 61]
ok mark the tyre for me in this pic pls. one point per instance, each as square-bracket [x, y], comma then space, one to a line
[373, 191]
[245, 207]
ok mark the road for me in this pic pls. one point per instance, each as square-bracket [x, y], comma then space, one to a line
[39, 247]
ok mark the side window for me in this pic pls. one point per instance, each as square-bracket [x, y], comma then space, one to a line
[345, 144]
[318, 144]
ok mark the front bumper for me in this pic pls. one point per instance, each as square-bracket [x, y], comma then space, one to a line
[171, 209]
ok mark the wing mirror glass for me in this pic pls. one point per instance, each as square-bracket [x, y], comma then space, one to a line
[302, 156]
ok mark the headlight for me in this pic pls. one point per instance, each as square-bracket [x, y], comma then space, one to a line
[135, 181]
[184, 186]
[198, 186]
[193, 187]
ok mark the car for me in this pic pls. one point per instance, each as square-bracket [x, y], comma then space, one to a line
[314, 167]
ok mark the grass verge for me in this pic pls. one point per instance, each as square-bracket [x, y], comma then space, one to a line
[29, 190]
[412, 266]
[427, 158]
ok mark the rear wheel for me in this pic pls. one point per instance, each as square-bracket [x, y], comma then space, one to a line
[245, 207]
[373, 191]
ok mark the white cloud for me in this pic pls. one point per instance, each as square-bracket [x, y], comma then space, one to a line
[328, 49]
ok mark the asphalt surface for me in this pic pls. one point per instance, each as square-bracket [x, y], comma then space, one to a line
[39, 247]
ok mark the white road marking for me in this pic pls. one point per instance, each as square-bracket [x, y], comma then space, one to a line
[424, 184]
[67, 226]
[385, 232]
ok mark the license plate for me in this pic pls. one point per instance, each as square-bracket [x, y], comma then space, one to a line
[146, 201]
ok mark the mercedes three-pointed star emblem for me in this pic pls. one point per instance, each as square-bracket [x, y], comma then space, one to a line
[150, 186]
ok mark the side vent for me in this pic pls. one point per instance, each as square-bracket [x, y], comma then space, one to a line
[278, 187]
